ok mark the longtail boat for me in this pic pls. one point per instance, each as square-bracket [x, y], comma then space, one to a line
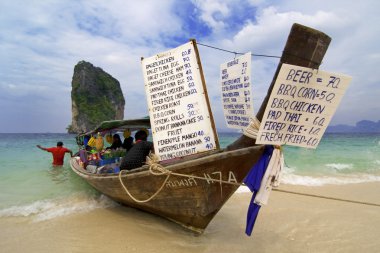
[199, 184]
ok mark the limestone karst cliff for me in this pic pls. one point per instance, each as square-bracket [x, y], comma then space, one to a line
[95, 97]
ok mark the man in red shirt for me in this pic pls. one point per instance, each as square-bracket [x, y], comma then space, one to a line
[57, 152]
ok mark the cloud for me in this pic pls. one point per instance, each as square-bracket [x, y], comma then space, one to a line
[40, 43]
[213, 13]
[352, 51]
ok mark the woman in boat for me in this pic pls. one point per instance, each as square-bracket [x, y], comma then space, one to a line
[116, 142]
[136, 156]
[128, 140]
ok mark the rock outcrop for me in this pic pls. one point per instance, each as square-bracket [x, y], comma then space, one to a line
[95, 97]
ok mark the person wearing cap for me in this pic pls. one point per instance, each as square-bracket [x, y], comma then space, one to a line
[58, 153]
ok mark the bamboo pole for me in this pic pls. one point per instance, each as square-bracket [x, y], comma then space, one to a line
[206, 94]
[305, 47]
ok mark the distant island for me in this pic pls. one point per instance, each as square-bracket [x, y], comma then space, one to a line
[363, 126]
[96, 96]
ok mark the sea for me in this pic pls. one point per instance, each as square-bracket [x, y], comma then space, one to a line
[31, 187]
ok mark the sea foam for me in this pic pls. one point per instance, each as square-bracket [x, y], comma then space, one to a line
[294, 179]
[289, 176]
[50, 209]
[340, 166]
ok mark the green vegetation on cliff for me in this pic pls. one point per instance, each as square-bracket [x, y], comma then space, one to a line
[96, 97]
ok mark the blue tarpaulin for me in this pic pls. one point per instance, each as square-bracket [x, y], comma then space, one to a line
[253, 181]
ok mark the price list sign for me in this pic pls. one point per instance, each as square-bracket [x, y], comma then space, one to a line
[301, 105]
[178, 108]
[237, 102]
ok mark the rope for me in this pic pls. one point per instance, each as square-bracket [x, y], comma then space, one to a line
[153, 160]
[253, 128]
[236, 53]
[330, 198]
[157, 169]
[145, 200]
[263, 55]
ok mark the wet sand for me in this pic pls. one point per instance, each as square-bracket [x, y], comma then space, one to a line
[289, 223]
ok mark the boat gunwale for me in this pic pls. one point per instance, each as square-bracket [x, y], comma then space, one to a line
[144, 171]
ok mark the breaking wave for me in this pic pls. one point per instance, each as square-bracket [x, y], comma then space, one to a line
[50, 209]
[319, 181]
[340, 166]
[289, 176]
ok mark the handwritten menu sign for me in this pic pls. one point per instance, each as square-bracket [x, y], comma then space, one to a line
[177, 101]
[301, 106]
[235, 78]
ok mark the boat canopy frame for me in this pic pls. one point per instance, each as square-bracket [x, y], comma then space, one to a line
[120, 125]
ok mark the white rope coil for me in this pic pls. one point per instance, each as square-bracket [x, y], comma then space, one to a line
[155, 169]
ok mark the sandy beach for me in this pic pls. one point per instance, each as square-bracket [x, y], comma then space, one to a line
[289, 223]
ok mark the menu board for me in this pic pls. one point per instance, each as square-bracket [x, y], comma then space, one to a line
[237, 100]
[301, 105]
[178, 107]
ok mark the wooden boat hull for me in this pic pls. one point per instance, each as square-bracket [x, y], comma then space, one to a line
[194, 202]
[190, 202]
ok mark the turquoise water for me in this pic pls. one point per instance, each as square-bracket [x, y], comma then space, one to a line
[30, 186]
[339, 159]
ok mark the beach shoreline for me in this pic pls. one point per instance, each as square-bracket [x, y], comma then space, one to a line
[289, 223]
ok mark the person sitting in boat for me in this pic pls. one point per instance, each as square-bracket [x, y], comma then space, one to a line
[128, 140]
[57, 152]
[116, 142]
[136, 156]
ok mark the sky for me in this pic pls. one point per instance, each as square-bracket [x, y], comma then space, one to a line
[42, 41]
